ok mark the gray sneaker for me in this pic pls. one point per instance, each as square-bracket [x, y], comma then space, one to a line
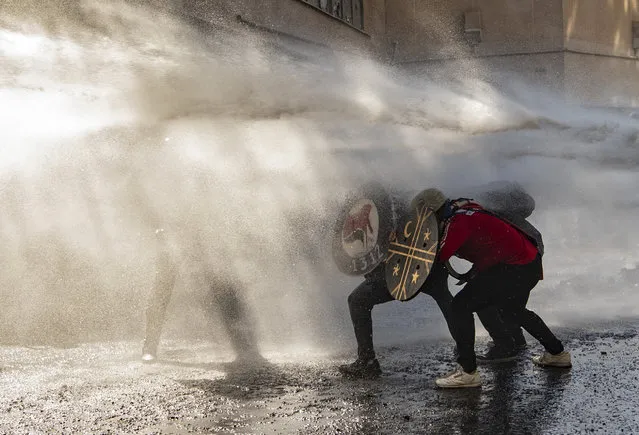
[549, 360]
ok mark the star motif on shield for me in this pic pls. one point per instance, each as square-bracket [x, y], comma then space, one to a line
[411, 255]
[415, 277]
[427, 235]
[396, 270]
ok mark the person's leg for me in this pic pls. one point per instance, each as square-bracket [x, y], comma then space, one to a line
[436, 286]
[538, 329]
[238, 322]
[513, 307]
[476, 295]
[505, 334]
[165, 277]
[507, 337]
[155, 316]
[514, 310]
[512, 304]
[555, 355]
[360, 303]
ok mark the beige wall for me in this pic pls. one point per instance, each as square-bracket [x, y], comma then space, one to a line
[536, 40]
[600, 26]
[579, 48]
[375, 25]
[421, 30]
[601, 66]
[601, 80]
[520, 26]
[301, 20]
[582, 78]
[431, 29]
[541, 69]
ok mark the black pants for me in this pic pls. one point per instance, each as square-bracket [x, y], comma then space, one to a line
[374, 291]
[507, 288]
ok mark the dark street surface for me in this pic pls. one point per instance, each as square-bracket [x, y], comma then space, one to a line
[103, 388]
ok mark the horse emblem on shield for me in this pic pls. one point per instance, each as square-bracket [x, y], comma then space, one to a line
[360, 228]
[361, 232]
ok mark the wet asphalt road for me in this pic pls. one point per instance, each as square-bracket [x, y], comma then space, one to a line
[104, 388]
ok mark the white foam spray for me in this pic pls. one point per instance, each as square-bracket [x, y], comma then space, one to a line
[116, 121]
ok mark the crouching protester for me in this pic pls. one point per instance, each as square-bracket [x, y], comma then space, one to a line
[374, 291]
[506, 267]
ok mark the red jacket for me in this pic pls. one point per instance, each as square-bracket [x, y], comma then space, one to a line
[484, 240]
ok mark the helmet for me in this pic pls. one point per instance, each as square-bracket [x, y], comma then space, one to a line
[431, 198]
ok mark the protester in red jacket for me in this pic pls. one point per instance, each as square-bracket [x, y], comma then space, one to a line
[506, 267]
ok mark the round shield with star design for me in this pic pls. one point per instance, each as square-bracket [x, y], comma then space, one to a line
[411, 253]
[362, 231]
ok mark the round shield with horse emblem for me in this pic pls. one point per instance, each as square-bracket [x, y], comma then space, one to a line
[411, 253]
[362, 232]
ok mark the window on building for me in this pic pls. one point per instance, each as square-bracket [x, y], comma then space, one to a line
[635, 36]
[349, 11]
[472, 27]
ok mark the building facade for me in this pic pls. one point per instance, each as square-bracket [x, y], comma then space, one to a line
[584, 49]
[342, 25]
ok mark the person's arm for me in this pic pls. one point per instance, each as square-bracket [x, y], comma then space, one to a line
[456, 232]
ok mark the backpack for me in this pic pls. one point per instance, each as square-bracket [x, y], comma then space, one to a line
[509, 202]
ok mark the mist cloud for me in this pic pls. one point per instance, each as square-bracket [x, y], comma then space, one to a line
[118, 121]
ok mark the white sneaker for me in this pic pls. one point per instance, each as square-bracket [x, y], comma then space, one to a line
[458, 378]
[549, 360]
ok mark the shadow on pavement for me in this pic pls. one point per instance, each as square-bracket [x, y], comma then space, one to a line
[242, 380]
[510, 403]
[516, 397]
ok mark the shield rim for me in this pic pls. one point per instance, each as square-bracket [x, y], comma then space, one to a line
[380, 196]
